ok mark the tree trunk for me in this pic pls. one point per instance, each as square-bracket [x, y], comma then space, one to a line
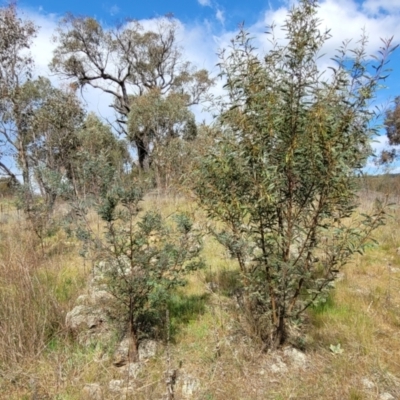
[143, 153]
[280, 333]
[27, 195]
[133, 354]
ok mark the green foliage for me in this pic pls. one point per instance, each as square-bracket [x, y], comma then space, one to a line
[99, 156]
[324, 305]
[158, 118]
[225, 281]
[392, 123]
[355, 394]
[336, 349]
[392, 127]
[45, 143]
[162, 123]
[174, 162]
[15, 69]
[283, 173]
[184, 308]
[150, 65]
[142, 256]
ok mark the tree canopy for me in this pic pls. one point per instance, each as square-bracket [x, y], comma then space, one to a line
[129, 61]
[16, 65]
[282, 176]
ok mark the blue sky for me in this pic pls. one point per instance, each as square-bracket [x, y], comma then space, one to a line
[229, 12]
[207, 25]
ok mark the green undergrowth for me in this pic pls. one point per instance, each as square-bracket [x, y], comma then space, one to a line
[351, 335]
[183, 309]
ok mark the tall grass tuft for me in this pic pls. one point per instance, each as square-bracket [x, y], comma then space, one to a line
[30, 314]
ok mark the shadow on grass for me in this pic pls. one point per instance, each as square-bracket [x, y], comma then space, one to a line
[225, 282]
[185, 308]
[330, 310]
[324, 306]
[182, 309]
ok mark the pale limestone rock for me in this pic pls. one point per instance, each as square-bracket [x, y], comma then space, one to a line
[85, 317]
[190, 385]
[131, 370]
[297, 358]
[92, 391]
[147, 349]
[278, 366]
[122, 388]
[367, 383]
[82, 300]
[121, 354]
[116, 385]
[386, 396]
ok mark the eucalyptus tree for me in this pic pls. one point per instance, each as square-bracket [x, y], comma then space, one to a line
[16, 65]
[282, 177]
[392, 123]
[158, 120]
[392, 127]
[126, 61]
[56, 116]
[96, 145]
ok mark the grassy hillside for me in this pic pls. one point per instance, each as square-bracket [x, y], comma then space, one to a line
[387, 184]
[350, 345]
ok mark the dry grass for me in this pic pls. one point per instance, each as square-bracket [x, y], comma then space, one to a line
[37, 287]
[209, 343]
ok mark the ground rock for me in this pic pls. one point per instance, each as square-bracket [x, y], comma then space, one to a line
[296, 357]
[278, 366]
[367, 383]
[131, 370]
[92, 391]
[102, 297]
[88, 323]
[147, 349]
[82, 300]
[116, 385]
[85, 317]
[101, 269]
[90, 318]
[189, 385]
[386, 396]
[121, 353]
[122, 388]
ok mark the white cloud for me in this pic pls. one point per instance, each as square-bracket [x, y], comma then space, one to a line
[204, 3]
[114, 10]
[220, 16]
[377, 6]
[196, 40]
[346, 19]
[43, 45]
[42, 52]
[201, 41]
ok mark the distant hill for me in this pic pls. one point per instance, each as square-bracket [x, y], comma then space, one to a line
[386, 183]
